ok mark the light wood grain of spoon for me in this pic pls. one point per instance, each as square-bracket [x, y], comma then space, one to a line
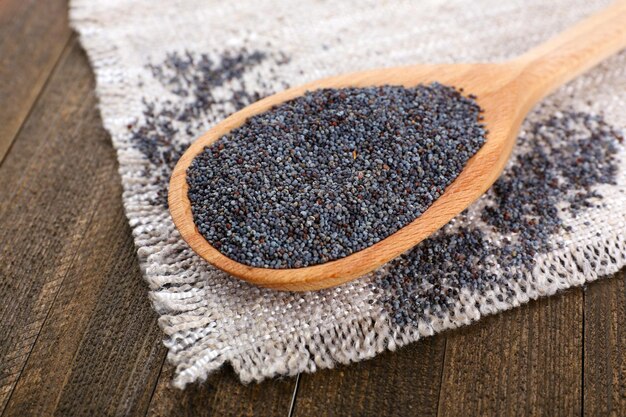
[506, 91]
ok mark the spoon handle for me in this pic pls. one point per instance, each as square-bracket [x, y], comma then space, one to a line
[574, 51]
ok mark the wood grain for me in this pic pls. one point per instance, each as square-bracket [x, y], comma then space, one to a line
[78, 316]
[45, 210]
[222, 395]
[32, 36]
[605, 347]
[506, 92]
[401, 383]
[527, 361]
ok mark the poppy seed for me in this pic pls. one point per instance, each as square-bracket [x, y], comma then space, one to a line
[331, 172]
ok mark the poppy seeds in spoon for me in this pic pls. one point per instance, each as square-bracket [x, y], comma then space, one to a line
[332, 172]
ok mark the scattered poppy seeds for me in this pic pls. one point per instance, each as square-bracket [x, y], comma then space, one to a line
[332, 172]
[562, 159]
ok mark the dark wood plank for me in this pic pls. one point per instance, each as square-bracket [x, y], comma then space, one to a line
[44, 212]
[69, 265]
[32, 36]
[527, 361]
[222, 395]
[401, 383]
[99, 351]
[605, 347]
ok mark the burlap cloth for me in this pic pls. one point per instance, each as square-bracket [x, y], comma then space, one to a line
[167, 70]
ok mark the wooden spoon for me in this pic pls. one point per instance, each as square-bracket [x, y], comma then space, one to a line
[506, 91]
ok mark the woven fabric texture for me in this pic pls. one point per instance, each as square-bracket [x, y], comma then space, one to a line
[168, 70]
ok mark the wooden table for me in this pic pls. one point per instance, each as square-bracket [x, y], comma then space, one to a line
[79, 337]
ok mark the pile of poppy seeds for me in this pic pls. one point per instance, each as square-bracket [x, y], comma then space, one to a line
[331, 172]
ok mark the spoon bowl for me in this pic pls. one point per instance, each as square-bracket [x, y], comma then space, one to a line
[505, 91]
